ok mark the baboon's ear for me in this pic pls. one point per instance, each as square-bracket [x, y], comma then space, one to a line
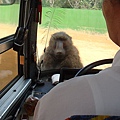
[69, 37]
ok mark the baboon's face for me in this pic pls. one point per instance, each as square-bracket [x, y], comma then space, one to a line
[61, 44]
[59, 49]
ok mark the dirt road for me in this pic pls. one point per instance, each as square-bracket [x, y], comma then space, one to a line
[91, 46]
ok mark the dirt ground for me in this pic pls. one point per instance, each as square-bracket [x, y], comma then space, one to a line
[92, 47]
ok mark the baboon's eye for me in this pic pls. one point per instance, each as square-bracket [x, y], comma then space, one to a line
[54, 46]
[64, 44]
[62, 39]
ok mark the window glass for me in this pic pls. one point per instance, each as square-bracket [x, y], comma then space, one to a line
[8, 67]
[84, 22]
[9, 15]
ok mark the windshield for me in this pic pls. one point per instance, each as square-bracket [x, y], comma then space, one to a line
[84, 22]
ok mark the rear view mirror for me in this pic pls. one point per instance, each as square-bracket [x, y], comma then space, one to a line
[7, 2]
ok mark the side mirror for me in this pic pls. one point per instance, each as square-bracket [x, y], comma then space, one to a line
[7, 2]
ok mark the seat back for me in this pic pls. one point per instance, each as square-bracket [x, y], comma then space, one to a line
[93, 117]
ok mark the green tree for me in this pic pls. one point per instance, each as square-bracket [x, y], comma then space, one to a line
[79, 4]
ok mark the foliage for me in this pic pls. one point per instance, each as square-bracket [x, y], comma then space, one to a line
[78, 4]
[54, 18]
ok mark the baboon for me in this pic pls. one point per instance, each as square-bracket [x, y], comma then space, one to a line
[61, 53]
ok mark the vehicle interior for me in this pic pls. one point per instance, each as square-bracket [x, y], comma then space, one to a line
[26, 27]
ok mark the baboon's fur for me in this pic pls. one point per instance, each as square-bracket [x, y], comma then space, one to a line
[68, 57]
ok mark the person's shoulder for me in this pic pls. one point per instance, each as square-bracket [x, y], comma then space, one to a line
[71, 82]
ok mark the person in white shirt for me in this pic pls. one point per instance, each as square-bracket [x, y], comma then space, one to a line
[97, 94]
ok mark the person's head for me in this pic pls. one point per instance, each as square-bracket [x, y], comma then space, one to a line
[111, 12]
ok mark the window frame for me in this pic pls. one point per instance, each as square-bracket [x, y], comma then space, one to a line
[14, 91]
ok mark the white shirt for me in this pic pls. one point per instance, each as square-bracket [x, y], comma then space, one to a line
[85, 95]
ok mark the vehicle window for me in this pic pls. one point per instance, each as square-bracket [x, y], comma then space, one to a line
[8, 67]
[84, 22]
[9, 16]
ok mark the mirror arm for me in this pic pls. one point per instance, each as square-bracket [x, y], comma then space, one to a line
[21, 34]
